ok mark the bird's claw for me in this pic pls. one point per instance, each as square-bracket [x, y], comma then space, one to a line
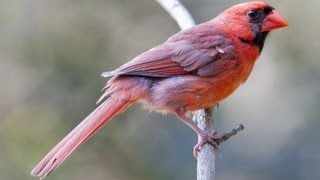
[210, 137]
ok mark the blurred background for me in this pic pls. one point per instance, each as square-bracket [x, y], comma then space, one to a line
[52, 53]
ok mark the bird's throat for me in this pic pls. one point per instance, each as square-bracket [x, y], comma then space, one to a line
[257, 40]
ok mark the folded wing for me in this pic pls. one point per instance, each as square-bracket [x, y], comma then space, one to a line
[203, 54]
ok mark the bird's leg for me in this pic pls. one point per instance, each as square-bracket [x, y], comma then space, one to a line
[206, 136]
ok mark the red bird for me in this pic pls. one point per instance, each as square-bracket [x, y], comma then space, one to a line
[194, 69]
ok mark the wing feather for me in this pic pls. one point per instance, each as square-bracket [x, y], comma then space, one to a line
[185, 53]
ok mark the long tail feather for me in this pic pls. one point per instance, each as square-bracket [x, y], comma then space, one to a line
[89, 126]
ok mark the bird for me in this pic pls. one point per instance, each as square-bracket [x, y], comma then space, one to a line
[194, 69]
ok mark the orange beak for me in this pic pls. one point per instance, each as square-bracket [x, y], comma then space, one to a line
[273, 21]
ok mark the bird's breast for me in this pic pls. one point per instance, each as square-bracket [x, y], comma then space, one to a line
[192, 92]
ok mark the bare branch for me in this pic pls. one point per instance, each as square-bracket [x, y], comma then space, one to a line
[204, 118]
[225, 136]
[206, 156]
[178, 12]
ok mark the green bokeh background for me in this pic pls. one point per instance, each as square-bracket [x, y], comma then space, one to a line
[52, 53]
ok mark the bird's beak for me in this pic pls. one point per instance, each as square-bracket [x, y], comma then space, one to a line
[273, 21]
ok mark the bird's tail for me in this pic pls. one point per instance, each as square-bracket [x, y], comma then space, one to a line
[88, 127]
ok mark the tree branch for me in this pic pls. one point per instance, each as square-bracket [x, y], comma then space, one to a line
[206, 156]
[178, 12]
[225, 136]
[204, 118]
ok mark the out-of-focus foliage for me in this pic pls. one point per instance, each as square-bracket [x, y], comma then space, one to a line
[53, 51]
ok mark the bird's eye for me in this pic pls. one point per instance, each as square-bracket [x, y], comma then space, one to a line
[253, 14]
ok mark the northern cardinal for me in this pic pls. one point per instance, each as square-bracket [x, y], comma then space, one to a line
[194, 69]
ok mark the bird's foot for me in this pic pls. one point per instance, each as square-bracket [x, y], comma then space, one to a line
[210, 137]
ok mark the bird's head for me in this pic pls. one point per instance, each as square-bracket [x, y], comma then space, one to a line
[251, 22]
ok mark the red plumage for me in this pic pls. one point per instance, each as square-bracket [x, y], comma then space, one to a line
[192, 70]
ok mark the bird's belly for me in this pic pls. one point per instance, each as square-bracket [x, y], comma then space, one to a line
[191, 92]
[215, 91]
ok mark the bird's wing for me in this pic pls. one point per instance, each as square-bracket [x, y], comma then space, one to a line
[202, 54]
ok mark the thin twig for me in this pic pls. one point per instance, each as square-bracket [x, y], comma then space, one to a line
[225, 136]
